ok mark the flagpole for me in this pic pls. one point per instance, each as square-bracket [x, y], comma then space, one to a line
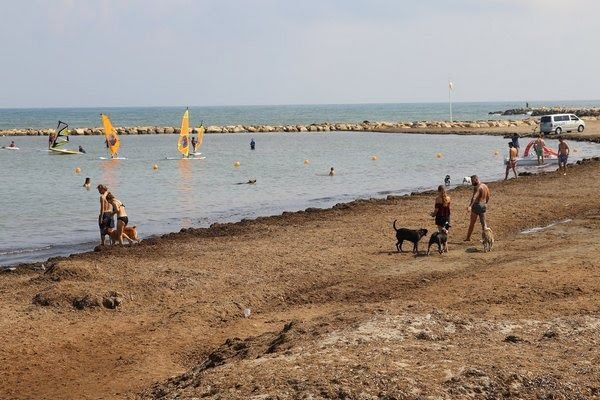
[450, 85]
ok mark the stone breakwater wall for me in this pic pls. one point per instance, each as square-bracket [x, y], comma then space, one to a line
[321, 127]
[536, 112]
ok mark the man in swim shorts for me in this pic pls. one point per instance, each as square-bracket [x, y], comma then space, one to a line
[477, 206]
[563, 155]
[539, 148]
[105, 218]
[512, 159]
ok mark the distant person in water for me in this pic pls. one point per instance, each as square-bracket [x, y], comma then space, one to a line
[87, 184]
[511, 163]
[252, 144]
[81, 150]
[563, 155]
[331, 172]
[12, 144]
[250, 182]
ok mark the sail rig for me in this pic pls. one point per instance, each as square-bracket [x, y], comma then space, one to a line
[62, 135]
[183, 143]
[112, 139]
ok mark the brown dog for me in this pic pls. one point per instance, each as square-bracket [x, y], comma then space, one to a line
[129, 233]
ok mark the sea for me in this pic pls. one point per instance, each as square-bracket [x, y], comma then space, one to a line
[39, 118]
[46, 211]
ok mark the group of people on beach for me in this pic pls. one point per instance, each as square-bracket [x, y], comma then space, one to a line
[539, 145]
[481, 193]
[477, 207]
[109, 207]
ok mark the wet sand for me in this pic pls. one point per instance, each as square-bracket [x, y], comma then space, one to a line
[335, 311]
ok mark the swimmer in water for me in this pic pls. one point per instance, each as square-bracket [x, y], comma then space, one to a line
[250, 182]
[252, 144]
[81, 150]
[331, 172]
[87, 184]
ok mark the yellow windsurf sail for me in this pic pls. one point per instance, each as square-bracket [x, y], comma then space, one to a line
[200, 138]
[183, 144]
[112, 140]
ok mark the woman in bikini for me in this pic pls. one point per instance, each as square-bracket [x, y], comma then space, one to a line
[442, 208]
[122, 219]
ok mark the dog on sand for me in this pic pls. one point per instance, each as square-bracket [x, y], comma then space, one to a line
[487, 238]
[129, 233]
[411, 235]
[441, 239]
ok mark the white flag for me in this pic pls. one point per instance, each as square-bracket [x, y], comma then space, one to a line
[450, 85]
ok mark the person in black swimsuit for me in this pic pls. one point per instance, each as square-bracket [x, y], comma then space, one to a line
[122, 219]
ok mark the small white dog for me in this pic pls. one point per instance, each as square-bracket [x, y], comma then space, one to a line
[467, 180]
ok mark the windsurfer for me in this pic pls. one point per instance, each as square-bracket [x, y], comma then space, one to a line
[12, 144]
[194, 143]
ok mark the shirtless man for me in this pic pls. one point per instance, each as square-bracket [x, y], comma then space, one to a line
[539, 148]
[477, 207]
[563, 155]
[105, 218]
[513, 153]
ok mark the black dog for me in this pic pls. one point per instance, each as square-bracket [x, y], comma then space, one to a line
[412, 235]
[441, 239]
[447, 180]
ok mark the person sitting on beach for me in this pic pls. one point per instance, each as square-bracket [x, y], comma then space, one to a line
[105, 218]
[441, 210]
[477, 206]
[331, 172]
[81, 150]
[122, 219]
[563, 155]
[511, 163]
[539, 148]
[87, 184]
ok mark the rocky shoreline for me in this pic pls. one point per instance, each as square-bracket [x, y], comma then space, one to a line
[536, 112]
[317, 127]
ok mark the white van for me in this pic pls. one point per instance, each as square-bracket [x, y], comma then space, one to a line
[558, 123]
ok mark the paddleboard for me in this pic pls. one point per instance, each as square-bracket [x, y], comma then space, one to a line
[63, 151]
[11, 148]
[114, 158]
[184, 158]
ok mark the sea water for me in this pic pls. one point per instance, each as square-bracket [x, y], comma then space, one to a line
[39, 118]
[46, 211]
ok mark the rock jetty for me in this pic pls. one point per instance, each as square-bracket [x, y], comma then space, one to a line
[320, 127]
[536, 112]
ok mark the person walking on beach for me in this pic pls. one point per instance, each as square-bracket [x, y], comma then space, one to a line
[477, 206]
[515, 141]
[539, 148]
[441, 210]
[563, 155]
[105, 218]
[122, 219]
[511, 163]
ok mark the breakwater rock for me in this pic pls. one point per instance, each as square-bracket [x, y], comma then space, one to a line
[320, 127]
[535, 112]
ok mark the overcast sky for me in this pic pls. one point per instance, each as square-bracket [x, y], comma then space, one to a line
[235, 52]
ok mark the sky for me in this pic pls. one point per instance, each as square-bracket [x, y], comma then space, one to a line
[89, 53]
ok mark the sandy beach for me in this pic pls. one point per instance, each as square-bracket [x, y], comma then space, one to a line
[334, 310]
